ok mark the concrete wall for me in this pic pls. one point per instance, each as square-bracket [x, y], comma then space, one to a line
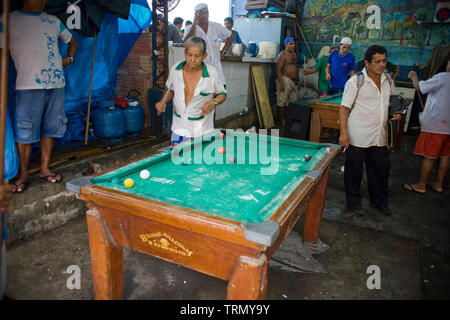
[406, 28]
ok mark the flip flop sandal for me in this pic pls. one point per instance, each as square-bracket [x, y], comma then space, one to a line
[429, 186]
[18, 186]
[46, 178]
[411, 189]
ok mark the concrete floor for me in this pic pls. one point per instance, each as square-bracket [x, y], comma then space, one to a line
[411, 248]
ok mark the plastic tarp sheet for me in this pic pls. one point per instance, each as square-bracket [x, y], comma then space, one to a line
[113, 44]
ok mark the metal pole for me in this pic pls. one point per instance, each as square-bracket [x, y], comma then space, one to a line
[154, 65]
[3, 102]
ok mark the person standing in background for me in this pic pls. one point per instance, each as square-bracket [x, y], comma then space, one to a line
[320, 67]
[211, 32]
[341, 66]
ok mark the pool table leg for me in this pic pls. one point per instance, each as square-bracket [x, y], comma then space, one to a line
[106, 259]
[315, 130]
[314, 209]
[249, 279]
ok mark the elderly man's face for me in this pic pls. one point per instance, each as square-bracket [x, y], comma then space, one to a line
[194, 56]
[203, 15]
[34, 6]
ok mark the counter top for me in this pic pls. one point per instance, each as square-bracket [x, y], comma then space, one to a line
[248, 59]
[232, 59]
[260, 60]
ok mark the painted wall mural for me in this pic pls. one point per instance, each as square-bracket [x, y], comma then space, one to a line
[406, 28]
[402, 22]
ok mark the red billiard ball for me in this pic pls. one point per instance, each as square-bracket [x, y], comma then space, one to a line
[221, 136]
[221, 150]
[307, 157]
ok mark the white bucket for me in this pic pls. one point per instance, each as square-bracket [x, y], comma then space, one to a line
[267, 49]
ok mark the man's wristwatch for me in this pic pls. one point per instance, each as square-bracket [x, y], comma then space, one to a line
[71, 59]
[215, 102]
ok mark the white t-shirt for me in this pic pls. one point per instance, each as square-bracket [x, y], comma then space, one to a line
[435, 117]
[33, 44]
[367, 122]
[216, 31]
[188, 121]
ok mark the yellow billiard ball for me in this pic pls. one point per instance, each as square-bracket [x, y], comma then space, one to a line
[128, 182]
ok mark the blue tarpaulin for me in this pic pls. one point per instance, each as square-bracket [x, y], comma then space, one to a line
[113, 44]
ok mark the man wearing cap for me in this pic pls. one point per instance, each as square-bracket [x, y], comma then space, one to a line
[211, 32]
[341, 64]
[320, 66]
[287, 77]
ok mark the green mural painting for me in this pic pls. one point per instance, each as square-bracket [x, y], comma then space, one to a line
[403, 23]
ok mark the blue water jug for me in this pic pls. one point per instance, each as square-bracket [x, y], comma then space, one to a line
[134, 118]
[109, 123]
[253, 49]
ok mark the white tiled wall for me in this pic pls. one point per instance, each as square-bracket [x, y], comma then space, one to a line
[239, 86]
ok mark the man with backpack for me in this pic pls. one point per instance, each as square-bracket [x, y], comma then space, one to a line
[363, 118]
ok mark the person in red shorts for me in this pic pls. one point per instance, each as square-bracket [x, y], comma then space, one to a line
[434, 138]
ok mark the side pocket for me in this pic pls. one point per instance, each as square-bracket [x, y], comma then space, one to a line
[24, 131]
[62, 126]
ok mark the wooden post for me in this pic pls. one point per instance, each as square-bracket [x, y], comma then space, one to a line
[90, 91]
[316, 204]
[249, 279]
[3, 102]
[106, 259]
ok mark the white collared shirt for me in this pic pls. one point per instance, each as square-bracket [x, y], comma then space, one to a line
[367, 121]
[189, 121]
[435, 117]
[216, 31]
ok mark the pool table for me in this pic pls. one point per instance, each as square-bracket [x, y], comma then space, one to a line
[325, 114]
[205, 210]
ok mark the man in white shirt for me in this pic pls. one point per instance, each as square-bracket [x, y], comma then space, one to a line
[196, 90]
[211, 32]
[40, 98]
[434, 138]
[363, 118]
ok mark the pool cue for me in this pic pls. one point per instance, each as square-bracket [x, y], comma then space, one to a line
[90, 91]
[304, 75]
[3, 102]
[165, 97]
[306, 42]
[420, 99]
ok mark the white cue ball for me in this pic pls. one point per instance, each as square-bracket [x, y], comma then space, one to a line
[145, 174]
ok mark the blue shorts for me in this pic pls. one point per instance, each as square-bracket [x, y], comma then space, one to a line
[39, 112]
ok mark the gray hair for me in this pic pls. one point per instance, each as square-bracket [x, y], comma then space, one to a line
[197, 42]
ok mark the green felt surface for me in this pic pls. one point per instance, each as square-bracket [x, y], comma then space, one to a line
[336, 98]
[195, 176]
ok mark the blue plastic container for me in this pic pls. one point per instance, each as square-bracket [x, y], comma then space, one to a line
[107, 104]
[109, 123]
[134, 118]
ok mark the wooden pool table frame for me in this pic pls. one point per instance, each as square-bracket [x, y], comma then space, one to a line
[203, 242]
[326, 115]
